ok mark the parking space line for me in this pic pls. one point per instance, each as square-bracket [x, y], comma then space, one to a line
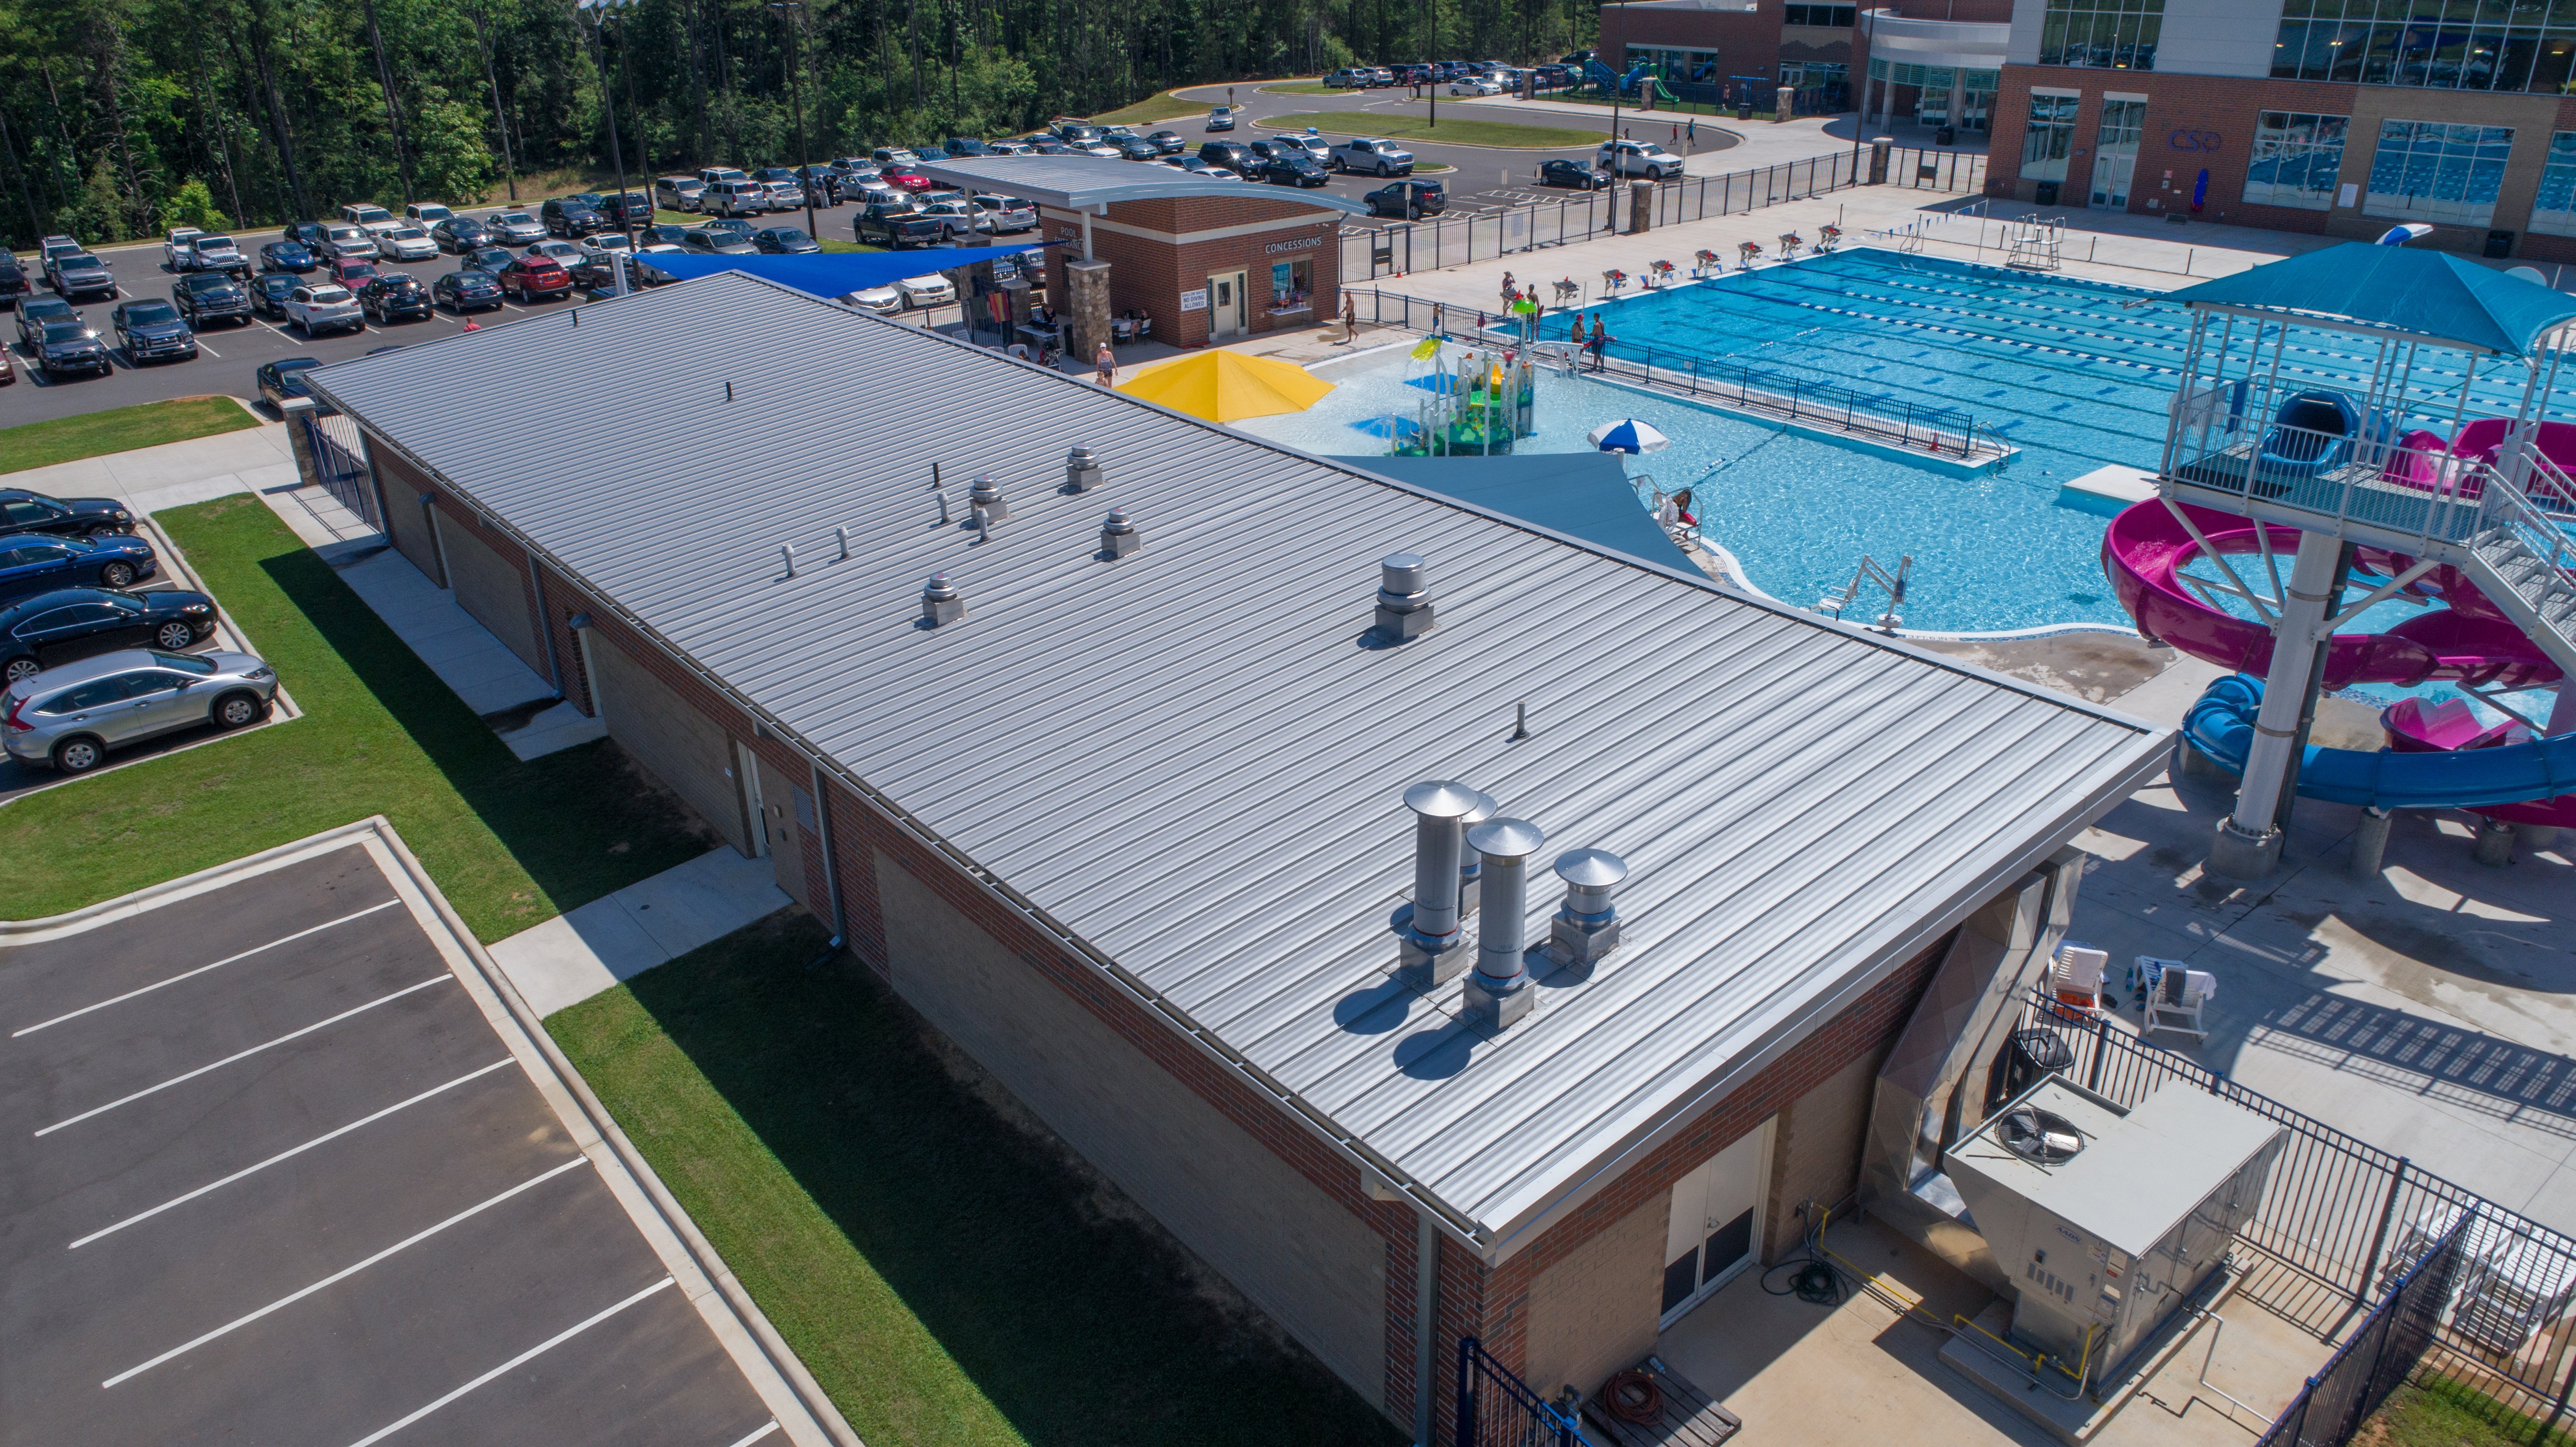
[244, 1054]
[345, 1272]
[209, 351]
[512, 1365]
[758, 1434]
[290, 1152]
[201, 969]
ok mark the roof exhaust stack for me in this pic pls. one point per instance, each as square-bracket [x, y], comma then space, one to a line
[1082, 470]
[1471, 865]
[986, 497]
[1118, 537]
[1403, 602]
[1499, 992]
[1587, 928]
[940, 603]
[1432, 950]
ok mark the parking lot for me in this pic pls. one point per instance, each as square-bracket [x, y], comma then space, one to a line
[282, 1170]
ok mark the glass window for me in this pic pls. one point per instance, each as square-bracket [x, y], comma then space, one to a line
[2109, 34]
[2427, 171]
[89, 695]
[1292, 285]
[2296, 160]
[2049, 139]
[2553, 210]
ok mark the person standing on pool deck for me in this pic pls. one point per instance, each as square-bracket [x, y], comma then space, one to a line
[1600, 341]
[1104, 364]
[1578, 329]
[1350, 317]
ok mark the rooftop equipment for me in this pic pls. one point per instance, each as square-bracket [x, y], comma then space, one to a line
[940, 603]
[1118, 536]
[1431, 951]
[1499, 993]
[1081, 470]
[1403, 597]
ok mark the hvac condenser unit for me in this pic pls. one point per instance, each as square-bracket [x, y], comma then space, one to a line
[2106, 1221]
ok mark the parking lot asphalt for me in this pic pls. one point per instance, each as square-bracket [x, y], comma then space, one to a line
[269, 1172]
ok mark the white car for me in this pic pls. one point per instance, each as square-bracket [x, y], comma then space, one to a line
[374, 220]
[925, 291]
[324, 307]
[426, 214]
[1637, 158]
[786, 196]
[1372, 157]
[340, 239]
[208, 253]
[175, 251]
[1476, 85]
[1005, 213]
[1315, 146]
[561, 253]
[602, 245]
[407, 243]
[883, 300]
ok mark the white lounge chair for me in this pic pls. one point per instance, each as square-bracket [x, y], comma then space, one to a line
[2075, 976]
[2175, 1003]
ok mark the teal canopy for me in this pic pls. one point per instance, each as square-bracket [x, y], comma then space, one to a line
[2425, 294]
[1583, 494]
[835, 273]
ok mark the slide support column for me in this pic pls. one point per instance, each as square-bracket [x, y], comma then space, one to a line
[2248, 846]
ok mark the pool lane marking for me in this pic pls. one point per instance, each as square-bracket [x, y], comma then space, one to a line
[758, 1433]
[345, 1272]
[288, 1153]
[201, 969]
[513, 1364]
[244, 1054]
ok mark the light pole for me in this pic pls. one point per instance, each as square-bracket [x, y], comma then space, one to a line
[796, 96]
[616, 149]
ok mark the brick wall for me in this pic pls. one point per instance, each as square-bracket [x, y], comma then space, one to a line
[1747, 43]
[1149, 273]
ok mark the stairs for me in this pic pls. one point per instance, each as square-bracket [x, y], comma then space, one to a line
[2530, 574]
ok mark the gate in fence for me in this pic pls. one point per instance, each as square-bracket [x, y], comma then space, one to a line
[341, 459]
[1497, 1409]
[2380, 1354]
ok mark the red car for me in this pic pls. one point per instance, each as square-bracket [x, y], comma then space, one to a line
[531, 277]
[908, 178]
[353, 272]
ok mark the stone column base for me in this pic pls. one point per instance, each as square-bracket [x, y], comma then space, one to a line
[1085, 309]
[2370, 842]
[2238, 855]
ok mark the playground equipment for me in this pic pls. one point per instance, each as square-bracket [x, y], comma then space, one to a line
[2390, 409]
[1480, 401]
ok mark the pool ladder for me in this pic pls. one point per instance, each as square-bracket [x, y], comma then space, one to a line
[1870, 574]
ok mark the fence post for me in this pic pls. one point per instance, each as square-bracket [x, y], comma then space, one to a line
[2101, 1049]
[2379, 1237]
[1463, 1432]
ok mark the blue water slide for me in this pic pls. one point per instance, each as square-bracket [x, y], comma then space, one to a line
[2221, 725]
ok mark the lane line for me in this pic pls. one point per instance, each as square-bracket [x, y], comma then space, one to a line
[243, 1055]
[345, 1272]
[757, 1435]
[288, 1153]
[209, 351]
[201, 969]
[513, 1364]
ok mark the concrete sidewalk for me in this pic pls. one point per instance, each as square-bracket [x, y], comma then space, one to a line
[574, 956]
[174, 474]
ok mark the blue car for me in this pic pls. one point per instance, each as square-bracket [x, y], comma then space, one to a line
[40, 565]
[289, 256]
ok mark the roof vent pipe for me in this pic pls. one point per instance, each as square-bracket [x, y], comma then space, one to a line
[1471, 865]
[1432, 950]
[1499, 992]
[1082, 470]
[940, 603]
[986, 495]
[1403, 602]
[1118, 537]
[1587, 928]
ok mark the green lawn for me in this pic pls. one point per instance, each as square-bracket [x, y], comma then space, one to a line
[511, 843]
[1505, 134]
[93, 434]
[1164, 107]
[947, 1277]
[2444, 1413]
[1304, 87]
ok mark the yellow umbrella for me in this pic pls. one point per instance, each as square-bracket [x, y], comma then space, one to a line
[1223, 386]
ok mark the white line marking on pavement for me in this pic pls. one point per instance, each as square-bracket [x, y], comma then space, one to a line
[513, 1364]
[287, 1153]
[209, 351]
[345, 1272]
[242, 1055]
[757, 1435]
[201, 969]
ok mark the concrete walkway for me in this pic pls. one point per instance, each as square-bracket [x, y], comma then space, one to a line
[174, 474]
[574, 956]
[522, 707]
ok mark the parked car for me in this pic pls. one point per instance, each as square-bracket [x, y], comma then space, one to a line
[883, 300]
[36, 311]
[29, 514]
[894, 155]
[561, 253]
[211, 296]
[340, 240]
[733, 224]
[735, 198]
[784, 195]
[964, 146]
[1573, 174]
[407, 243]
[13, 280]
[1205, 170]
[466, 291]
[1049, 146]
[284, 379]
[268, 293]
[310, 233]
[1624, 157]
[1407, 199]
[50, 247]
[210, 253]
[1009, 148]
[288, 256]
[150, 330]
[1170, 143]
[1233, 155]
[373, 220]
[78, 274]
[1220, 118]
[784, 241]
[351, 272]
[678, 193]
[926, 291]
[907, 176]
[899, 232]
[712, 174]
[458, 235]
[703, 241]
[395, 296]
[1476, 85]
[621, 209]
[1292, 170]
[531, 277]
[516, 228]
[1310, 146]
[64, 626]
[570, 216]
[1347, 79]
[32, 564]
[70, 717]
[490, 259]
[64, 348]
[426, 214]
[1003, 215]
[324, 306]
[660, 234]
[1375, 157]
[174, 244]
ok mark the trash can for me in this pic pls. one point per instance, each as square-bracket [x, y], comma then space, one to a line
[2047, 193]
[2499, 243]
[1743, 112]
[2028, 1056]
[1946, 136]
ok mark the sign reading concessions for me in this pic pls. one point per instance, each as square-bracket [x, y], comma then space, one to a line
[1303, 244]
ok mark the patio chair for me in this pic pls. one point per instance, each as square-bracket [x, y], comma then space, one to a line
[2075, 976]
[2176, 1002]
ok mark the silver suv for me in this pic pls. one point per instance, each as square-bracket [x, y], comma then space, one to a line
[70, 717]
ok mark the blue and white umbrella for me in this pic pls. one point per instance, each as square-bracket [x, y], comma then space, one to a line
[1628, 435]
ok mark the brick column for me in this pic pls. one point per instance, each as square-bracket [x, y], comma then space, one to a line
[1641, 207]
[1086, 308]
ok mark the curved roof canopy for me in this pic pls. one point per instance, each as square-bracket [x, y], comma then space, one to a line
[2427, 295]
[1076, 183]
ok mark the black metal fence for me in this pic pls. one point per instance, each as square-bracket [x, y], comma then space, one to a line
[341, 459]
[2343, 1219]
[2381, 1353]
[1497, 1409]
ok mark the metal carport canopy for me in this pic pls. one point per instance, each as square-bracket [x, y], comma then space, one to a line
[1085, 183]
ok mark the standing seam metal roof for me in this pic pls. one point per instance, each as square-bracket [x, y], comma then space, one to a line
[1076, 182]
[1190, 762]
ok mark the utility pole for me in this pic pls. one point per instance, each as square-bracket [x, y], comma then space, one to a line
[796, 94]
[393, 113]
[599, 53]
[1431, 56]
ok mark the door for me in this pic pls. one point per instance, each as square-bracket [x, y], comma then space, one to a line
[1225, 305]
[60, 635]
[156, 701]
[2115, 152]
[1715, 1221]
[786, 815]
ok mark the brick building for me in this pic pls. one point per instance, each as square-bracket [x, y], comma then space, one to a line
[1128, 823]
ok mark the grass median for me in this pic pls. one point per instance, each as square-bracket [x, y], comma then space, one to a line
[513, 843]
[2438, 1412]
[1164, 107]
[1503, 135]
[948, 1277]
[119, 429]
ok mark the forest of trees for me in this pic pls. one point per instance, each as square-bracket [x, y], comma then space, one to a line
[121, 117]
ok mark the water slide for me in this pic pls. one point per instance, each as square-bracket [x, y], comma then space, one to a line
[2529, 782]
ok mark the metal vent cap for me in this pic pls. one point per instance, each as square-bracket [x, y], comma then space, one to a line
[1447, 799]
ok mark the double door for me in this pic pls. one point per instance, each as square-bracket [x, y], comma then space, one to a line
[1715, 1222]
[2115, 152]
